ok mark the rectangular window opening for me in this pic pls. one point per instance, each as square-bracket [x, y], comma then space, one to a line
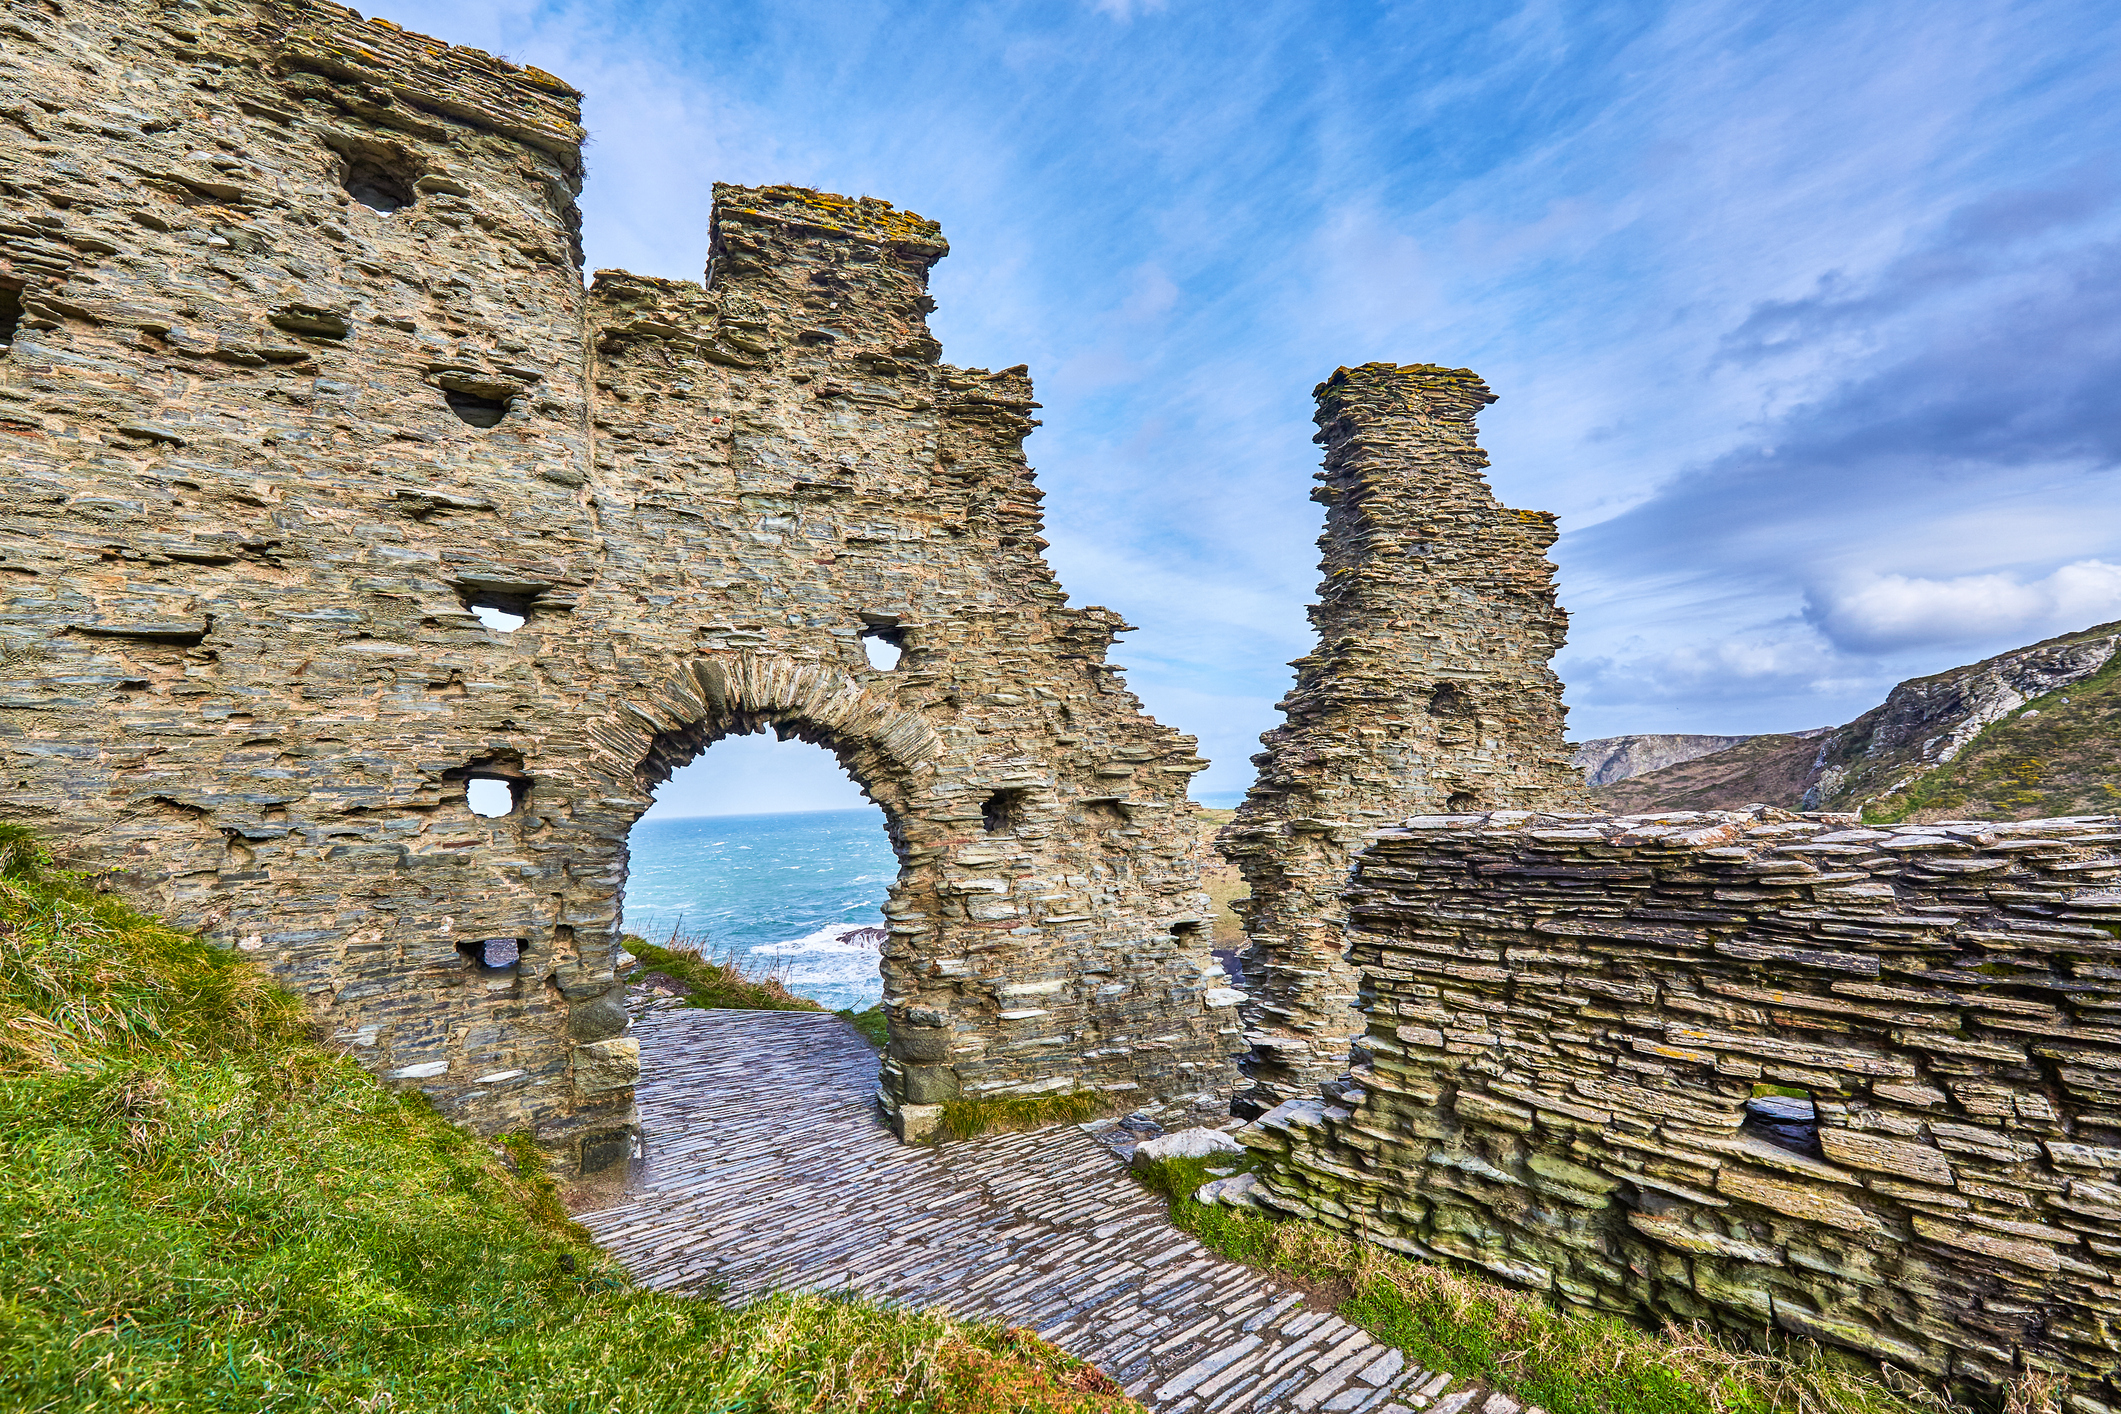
[493, 954]
[10, 316]
[882, 647]
[490, 796]
[1785, 1117]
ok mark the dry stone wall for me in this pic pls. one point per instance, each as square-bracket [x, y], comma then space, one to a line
[304, 391]
[1429, 690]
[1570, 1019]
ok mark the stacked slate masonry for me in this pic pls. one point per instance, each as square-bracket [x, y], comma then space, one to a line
[306, 389]
[1574, 1021]
[1775, 1072]
[1429, 690]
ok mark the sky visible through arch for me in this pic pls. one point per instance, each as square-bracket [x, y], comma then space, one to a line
[1805, 318]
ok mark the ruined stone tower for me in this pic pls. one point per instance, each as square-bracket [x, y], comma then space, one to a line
[1429, 693]
[303, 375]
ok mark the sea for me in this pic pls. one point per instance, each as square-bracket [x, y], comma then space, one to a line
[797, 896]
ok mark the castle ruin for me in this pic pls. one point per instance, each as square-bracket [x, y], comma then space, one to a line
[302, 390]
[1429, 691]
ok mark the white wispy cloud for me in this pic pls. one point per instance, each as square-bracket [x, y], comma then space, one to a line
[1881, 613]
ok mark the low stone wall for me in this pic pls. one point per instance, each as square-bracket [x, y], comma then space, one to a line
[1570, 1019]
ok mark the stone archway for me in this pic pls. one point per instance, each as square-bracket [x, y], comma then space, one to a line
[996, 983]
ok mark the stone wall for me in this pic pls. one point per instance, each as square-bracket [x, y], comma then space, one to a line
[307, 390]
[1570, 1018]
[1429, 690]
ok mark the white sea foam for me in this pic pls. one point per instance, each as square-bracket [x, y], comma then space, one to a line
[836, 965]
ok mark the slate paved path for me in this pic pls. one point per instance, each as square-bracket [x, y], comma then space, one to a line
[768, 1168]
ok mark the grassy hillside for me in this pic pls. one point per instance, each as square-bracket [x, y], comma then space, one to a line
[2051, 745]
[1762, 770]
[1605, 760]
[714, 983]
[2059, 754]
[200, 1209]
[1878, 762]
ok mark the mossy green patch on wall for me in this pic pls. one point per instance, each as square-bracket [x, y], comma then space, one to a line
[1564, 1361]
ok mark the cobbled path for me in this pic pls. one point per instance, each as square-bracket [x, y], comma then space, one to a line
[768, 1168]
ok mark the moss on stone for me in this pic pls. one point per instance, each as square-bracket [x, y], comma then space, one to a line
[1566, 1362]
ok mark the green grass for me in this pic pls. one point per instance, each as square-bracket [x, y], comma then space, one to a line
[200, 1209]
[870, 1023]
[964, 1118]
[717, 985]
[723, 985]
[1566, 1361]
[2049, 757]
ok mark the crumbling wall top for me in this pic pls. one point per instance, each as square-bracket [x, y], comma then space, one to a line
[412, 73]
[866, 218]
[1426, 389]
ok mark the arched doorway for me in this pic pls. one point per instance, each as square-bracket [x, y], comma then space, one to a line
[1045, 931]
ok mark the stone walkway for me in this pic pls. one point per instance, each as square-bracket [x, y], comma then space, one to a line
[768, 1168]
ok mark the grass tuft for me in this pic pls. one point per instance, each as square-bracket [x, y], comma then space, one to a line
[875, 1030]
[717, 983]
[200, 1209]
[963, 1118]
[1564, 1360]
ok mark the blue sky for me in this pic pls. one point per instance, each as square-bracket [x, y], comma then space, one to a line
[1805, 318]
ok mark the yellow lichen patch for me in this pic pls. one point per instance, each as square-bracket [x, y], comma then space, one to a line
[863, 216]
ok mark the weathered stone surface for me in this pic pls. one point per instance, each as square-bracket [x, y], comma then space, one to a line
[1429, 691]
[1234, 1191]
[929, 1084]
[1678, 1232]
[604, 1066]
[1941, 1201]
[597, 1018]
[1869, 1151]
[1797, 1200]
[307, 375]
[1196, 1143]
